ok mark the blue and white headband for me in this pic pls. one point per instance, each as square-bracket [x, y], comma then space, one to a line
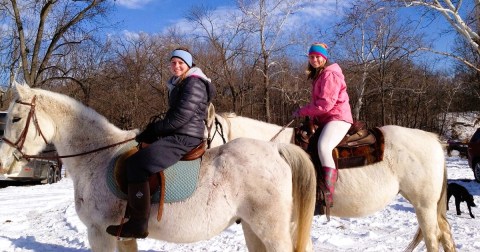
[183, 55]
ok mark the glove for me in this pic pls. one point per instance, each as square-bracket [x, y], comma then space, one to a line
[148, 135]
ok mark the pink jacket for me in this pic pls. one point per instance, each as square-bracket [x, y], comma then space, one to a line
[329, 100]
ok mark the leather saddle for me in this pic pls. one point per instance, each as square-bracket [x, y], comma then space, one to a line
[359, 147]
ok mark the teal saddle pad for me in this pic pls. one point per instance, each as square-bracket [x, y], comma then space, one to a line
[180, 179]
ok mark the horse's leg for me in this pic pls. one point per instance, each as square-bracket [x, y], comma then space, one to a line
[128, 245]
[427, 219]
[251, 239]
[99, 240]
[255, 243]
[271, 225]
[427, 212]
[432, 219]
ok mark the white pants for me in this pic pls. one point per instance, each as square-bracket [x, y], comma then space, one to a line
[332, 133]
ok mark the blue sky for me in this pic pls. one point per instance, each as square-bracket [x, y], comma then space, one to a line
[153, 16]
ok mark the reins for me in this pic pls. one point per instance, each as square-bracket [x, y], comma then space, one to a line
[210, 138]
[82, 153]
[18, 145]
[282, 129]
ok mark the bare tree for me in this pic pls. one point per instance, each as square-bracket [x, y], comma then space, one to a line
[227, 40]
[268, 20]
[43, 31]
[462, 17]
[8, 50]
[133, 81]
[374, 40]
[355, 30]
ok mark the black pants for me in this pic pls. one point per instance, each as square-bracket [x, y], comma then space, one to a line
[160, 155]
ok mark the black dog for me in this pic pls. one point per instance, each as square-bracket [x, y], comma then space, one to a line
[461, 194]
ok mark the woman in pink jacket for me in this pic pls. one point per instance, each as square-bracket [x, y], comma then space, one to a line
[329, 108]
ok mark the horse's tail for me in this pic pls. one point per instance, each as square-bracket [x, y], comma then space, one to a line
[304, 190]
[445, 234]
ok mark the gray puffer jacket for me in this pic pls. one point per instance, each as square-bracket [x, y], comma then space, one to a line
[188, 103]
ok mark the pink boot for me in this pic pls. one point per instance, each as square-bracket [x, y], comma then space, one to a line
[330, 176]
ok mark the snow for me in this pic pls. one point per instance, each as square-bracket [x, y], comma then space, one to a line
[42, 218]
[461, 125]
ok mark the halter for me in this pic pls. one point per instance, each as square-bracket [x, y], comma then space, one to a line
[18, 145]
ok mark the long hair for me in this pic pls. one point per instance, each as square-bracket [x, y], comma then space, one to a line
[313, 73]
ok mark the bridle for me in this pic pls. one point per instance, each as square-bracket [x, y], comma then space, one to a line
[32, 117]
[219, 131]
[18, 145]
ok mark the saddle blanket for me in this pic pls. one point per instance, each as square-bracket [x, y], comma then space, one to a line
[180, 179]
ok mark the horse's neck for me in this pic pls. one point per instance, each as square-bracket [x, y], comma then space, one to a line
[80, 129]
[247, 127]
[285, 135]
[88, 136]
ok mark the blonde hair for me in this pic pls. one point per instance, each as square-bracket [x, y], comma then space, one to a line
[313, 73]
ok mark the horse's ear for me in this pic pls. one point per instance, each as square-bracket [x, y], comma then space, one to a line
[21, 90]
[210, 115]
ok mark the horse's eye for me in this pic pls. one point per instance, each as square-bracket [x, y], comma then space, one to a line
[16, 119]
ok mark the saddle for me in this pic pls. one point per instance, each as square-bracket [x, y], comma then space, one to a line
[156, 181]
[359, 147]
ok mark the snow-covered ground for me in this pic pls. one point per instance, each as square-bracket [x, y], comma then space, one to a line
[42, 218]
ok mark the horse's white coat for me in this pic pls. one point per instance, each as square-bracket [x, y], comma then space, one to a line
[413, 165]
[265, 185]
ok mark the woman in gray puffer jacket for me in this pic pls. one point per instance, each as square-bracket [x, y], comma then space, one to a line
[181, 130]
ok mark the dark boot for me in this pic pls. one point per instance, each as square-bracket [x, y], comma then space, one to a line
[139, 208]
[330, 177]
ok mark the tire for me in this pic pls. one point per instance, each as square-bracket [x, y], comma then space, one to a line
[53, 175]
[476, 171]
[58, 174]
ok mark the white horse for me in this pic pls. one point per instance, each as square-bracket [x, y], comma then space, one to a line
[413, 165]
[230, 126]
[265, 185]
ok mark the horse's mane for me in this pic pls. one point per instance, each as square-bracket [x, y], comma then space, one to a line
[67, 103]
[254, 122]
[247, 127]
[228, 114]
